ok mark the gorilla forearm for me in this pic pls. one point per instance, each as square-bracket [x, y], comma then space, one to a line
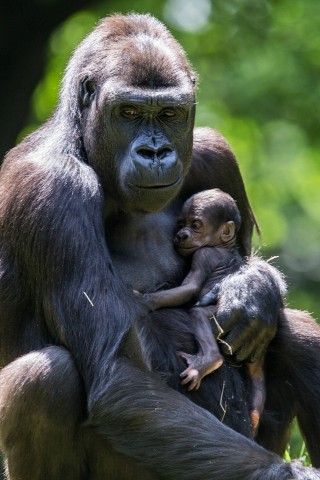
[159, 414]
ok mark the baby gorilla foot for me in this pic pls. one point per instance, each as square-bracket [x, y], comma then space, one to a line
[198, 367]
[258, 393]
[254, 419]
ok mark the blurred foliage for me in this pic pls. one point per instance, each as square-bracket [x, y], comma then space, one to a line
[297, 448]
[259, 68]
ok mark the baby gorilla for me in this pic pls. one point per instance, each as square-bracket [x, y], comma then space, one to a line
[208, 229]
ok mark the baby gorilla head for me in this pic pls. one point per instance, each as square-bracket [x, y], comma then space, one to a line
[208, 219]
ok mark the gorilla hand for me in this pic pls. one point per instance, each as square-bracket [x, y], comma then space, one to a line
[248, 307]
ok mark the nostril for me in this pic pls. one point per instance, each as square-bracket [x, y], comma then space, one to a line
[148, 152]
[164, 152]
[160, 159]
[145, 152]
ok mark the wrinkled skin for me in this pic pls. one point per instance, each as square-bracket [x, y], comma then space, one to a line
[79, 201]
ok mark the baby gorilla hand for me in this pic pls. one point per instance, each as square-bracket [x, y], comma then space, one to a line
[198, 367]
[145, 299]
[209, 298]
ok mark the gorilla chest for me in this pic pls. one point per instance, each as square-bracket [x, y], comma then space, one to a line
[142, 252]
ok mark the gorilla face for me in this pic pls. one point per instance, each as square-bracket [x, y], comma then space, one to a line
[137, 118]
[153, 134]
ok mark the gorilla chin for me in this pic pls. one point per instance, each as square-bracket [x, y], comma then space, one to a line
[154, 197]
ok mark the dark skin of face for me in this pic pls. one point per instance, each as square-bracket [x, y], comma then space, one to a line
[198, 230]
[151, 158]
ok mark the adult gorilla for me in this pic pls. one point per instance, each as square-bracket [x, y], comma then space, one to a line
[94, 193]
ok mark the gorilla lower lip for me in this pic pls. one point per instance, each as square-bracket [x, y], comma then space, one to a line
[156, 187]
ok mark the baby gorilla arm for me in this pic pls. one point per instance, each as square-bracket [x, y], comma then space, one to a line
[208, 357]
[175, 297]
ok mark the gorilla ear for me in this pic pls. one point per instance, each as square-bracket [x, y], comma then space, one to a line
[88, 92]
[228, 231]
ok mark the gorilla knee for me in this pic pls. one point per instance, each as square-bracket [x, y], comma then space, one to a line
[37, 391]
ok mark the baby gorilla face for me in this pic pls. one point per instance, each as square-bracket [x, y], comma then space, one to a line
[195, 231]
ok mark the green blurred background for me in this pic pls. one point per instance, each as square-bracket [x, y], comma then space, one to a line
[259, 68]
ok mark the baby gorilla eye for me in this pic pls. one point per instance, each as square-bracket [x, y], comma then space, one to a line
[196, 225]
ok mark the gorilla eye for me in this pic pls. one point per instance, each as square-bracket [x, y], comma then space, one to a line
[129, 112]
[168, 113]
[196, 224]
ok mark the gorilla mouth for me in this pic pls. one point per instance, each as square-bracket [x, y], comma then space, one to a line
[156, 186]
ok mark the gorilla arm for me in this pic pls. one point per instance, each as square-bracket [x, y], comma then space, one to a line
[55, 237]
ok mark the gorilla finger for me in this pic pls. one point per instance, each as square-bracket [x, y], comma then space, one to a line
[198, 385]
[209, 298]
[261, 345]
[238, 337]
[243, 353]
[226, 319]
[186, 372]
[193, 385]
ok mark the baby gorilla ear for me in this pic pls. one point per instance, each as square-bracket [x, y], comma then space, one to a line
[228, 232]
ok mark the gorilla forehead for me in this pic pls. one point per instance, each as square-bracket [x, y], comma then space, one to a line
[161, 68]
[138, 48]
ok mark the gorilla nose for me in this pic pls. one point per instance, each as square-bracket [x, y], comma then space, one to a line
[153, 153]
[158, 156]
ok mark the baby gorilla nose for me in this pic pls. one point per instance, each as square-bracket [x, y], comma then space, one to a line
[181, 237]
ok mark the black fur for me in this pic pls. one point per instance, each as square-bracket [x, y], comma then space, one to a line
[84, 203]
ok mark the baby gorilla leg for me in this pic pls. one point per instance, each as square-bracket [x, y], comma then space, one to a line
[258, 392]
[208, 357]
